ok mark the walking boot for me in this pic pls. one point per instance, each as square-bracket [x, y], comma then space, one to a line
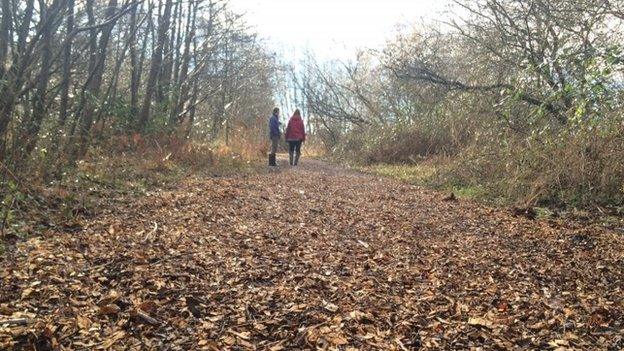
[290, 158]
[297, 159]
[272, 161]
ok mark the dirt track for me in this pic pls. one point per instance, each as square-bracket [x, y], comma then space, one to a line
[315, 257]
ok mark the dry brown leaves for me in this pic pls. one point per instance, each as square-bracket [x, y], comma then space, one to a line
[313, 258]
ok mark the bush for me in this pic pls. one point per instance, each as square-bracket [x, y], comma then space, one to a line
[394, 144]
[582, 168]
[579, 165]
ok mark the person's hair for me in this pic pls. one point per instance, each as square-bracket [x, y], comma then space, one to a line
[275, 110]
[297, 113]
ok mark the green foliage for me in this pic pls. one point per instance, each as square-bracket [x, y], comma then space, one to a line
[11, 197]
[124, 119]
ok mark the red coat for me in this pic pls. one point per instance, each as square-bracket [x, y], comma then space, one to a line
[295, 130]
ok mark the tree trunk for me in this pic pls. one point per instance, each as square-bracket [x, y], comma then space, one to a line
[111, 91]
[155, 66]
[66, 69]
[94, 83]
[135, 70]
[48, 22]
[165, 74]
[192, 109]
[14, 77]
[178, 45]
[182, 86]
[5, 29]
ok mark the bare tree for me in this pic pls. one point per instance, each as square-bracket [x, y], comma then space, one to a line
[83, 62]
[155, 65]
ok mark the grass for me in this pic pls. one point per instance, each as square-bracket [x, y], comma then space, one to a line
[427, 174]
[471, 192]
[431, 175]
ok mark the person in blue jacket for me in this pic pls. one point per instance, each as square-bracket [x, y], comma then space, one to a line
[274, 135]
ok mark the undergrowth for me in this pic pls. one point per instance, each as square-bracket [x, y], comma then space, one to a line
[46, 202]
[428, 174]
[570, 170]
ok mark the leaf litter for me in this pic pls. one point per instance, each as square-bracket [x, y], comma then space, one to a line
[341, 261]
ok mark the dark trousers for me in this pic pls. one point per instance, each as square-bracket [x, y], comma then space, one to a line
[294, 151]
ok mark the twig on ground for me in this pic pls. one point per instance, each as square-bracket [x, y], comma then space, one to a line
[16, 321]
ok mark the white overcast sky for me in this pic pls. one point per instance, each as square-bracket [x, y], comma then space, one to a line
[333, 28]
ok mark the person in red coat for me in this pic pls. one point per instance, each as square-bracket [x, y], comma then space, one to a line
[295, 136]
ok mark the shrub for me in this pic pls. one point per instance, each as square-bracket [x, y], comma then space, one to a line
[394, 144]
[582, 168]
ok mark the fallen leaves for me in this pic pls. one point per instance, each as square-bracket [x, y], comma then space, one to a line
[83, 323]
[342, 262]
[109, 310]
[111, 340]
[478, 321]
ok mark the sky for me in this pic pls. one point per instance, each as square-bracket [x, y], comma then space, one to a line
[333, 28]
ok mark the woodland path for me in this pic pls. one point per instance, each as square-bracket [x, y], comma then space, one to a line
[314, 257]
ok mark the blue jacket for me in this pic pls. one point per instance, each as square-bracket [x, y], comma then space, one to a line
[274, 127]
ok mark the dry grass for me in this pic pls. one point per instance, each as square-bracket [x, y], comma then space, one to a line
[388, 145]
[582, 169]
[567, 168]
[125, 166]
